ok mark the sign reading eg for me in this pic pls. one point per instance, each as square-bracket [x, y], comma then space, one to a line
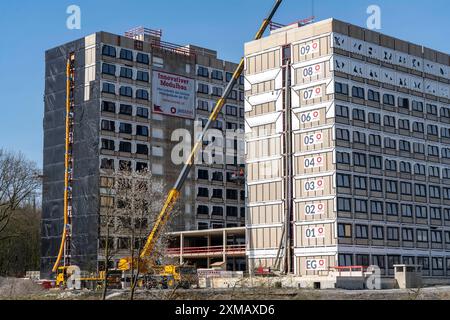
[173, 95]
[315, 264]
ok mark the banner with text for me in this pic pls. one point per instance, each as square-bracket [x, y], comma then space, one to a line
[173, 95]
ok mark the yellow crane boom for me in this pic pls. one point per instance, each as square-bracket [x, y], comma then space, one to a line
[164, 215]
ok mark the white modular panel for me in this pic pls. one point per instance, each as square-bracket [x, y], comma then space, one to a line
[358, 46]
[340, 41]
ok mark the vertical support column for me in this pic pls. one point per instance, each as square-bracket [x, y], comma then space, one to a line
[224, 257]
[208, 245]
[181, 248]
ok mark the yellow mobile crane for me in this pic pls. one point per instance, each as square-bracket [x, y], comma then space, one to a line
[145, 257]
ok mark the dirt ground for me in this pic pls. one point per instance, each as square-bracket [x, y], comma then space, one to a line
[20, 289]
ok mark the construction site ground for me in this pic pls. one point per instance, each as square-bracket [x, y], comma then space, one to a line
[20, 289]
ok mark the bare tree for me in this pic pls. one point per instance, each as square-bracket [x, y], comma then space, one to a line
[18, 181]
[137, 200]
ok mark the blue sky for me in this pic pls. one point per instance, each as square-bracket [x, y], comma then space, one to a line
[30, 27]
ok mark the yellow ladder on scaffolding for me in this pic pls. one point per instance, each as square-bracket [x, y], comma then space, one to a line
[64, 253]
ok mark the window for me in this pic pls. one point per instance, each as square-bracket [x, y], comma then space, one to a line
[216, 74]
[421, 212]
[203, 105]
[376, 207]
[126, 73]
[389, 121]
[344, 230]
[403, 103]
[359, 137]
[424, 262]
[216, 91]
[231, 110]
[232, 194]
[217, 194]
[375, 140]
[447, 214]
[361, 232]
[419, 148]
[435, 213]
[342, 111]
[447, 239]
[445, 113]
[341, 88]
[125, 128]
[126, 109]
[421, 190]
[217, 211]
[203, 72]
[107, 164]
[142, 94]
[232, 211]
[108, 88]
[126, 91]
[343, 181]
[203, 88]
[403, 124]
[393, 234]
[358, 92]
[438, 263]
[408, 234]
[407, 210]
[405, 167]
[342, 134]
[141, 166]
[108, 106]
[392, 209]
[142, 76]
[432, 130]
[203, 210]
[202, 174]
[389, 99]
[432, 109]
[109, 69]
[446, 173]
[108, 125]
[406, 188]
[376, 185]
[125, 147]
[108, 51]
[142, 131]
[435, 192]
[417, 106]
[373, 96]
[377, 233]
[142, 112]
[360, 206]
[392, 261]
[434, 172]
[360, 183]
[108, 144]
[344, 205]
[228, 76]
[359, 160]
[345, 260]
[390, 165]
[126, 54]
[445, 133]
[390, 143]
[343, 157]
[217, 176]
[446, 153]
[422, 235]
[142, 149]
[391, 186]
[363, 260]
[404, 146]
[142, 58]
[418, 127]
[374, 118]
[359, 114]
[203, 193]
[241, 113]
[375, 162]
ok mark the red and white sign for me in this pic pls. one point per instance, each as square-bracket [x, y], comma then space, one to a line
[310, 48]
[315, 233]
[309, 117]
[313, 139]
[173, 95]
[312, 93]
[314, 162]
[314, 185]
[314, 209]
[312, 70]
[315, 264]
